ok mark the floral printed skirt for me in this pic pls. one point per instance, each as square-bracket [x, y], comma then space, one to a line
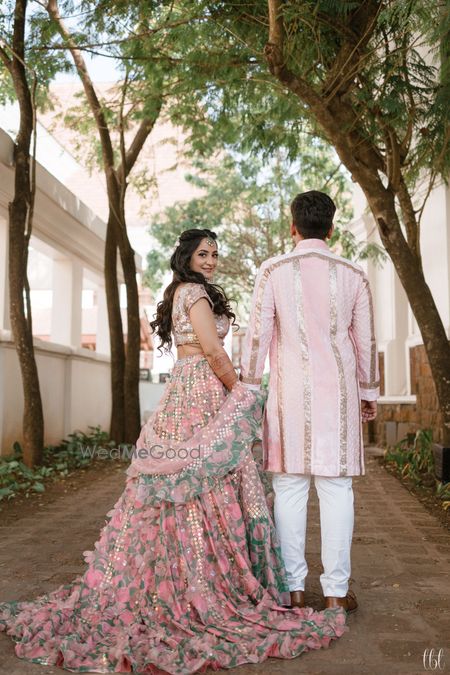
[187, 572]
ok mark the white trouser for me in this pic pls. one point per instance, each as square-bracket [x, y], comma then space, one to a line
[336, 526]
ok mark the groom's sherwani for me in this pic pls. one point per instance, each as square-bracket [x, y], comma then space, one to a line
[313, 310]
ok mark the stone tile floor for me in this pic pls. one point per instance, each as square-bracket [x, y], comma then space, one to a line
[401, 572]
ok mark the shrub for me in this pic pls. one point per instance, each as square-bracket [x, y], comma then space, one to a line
[413, 459]
[58, 461]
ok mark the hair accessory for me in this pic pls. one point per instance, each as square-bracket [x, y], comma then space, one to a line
[210, 242]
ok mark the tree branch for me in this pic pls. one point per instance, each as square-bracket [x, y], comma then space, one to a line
[121, 172]
[276, 28]
[91, 95]
[4, 56]
[120, 41]
[274, 53]
[409, 218]
[141, 136]
[393, 158]
[346, 63]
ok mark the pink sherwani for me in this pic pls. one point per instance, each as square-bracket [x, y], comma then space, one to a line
[313, 310]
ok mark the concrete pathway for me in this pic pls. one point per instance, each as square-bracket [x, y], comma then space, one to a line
[401, 572]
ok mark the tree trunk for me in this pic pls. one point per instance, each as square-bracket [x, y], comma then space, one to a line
[117, 424]
[133, 348]
[126, 404]
[409, 269]
[19, 231]
[33, 418]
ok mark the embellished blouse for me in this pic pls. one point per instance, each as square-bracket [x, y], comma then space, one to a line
[185, 297]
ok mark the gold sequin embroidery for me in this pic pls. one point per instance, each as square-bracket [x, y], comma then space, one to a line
[118, 547]
[257, 323]
[360, 436]
[186, 296]
[280, 392]
[254, 500]
[305, 366]
[373, 346]
[341, 374]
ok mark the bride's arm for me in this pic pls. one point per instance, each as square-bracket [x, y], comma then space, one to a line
[204, 325]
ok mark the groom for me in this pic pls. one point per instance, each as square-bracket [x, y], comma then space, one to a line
[312, 310]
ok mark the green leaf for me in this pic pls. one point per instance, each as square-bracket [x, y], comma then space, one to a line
[4, 492]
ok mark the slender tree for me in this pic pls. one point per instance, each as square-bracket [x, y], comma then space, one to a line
[20, 226]
[117, 163]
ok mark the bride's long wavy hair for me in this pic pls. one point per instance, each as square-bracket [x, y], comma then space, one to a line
[180, 265]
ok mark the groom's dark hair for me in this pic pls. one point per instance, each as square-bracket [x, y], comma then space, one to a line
[312, 214]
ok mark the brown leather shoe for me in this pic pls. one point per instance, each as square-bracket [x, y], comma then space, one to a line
[297, 599]
[349, 602]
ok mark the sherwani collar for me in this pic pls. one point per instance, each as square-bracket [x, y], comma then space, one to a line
[311, 243]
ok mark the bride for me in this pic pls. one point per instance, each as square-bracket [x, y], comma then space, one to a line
[187, 573]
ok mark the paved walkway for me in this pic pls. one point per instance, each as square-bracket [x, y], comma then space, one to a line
[401, 565]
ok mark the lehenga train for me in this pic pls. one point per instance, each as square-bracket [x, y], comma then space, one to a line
[187, 572]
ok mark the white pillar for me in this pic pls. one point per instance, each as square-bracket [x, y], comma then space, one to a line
[66, 307]
[102, 341]
[396, 362]
[4, 267]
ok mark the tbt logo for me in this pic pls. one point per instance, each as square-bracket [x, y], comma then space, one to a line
[433, 659]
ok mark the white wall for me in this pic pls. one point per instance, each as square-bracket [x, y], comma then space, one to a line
[149, 396]
[75, 390]
[436, 248]
[75, 383]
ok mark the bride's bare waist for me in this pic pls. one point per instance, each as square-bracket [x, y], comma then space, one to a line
[182, 352]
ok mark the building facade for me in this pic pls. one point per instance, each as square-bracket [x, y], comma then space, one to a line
[408, 397]
[66, 261]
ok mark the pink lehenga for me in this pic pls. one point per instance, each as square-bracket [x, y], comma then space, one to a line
[187, 573]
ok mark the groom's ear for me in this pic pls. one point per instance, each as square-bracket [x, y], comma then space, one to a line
[330, 232]
[293, 230]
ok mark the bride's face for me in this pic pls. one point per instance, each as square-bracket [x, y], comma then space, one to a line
[204, 259]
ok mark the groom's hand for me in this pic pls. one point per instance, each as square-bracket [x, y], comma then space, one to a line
[368, 410]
